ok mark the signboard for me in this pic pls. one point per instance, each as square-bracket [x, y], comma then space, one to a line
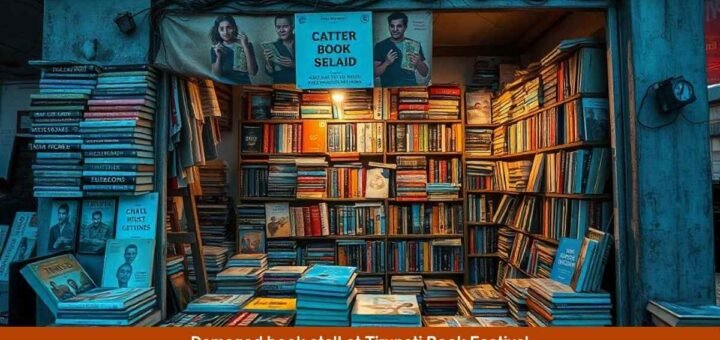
[712, 40]
[335, 50]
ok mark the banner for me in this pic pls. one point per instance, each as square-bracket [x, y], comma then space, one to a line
[336, 51]
[402, 53]
[232, 49]
[712, 40]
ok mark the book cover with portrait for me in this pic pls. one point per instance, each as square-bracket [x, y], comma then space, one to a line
[63, 225]
[128, 263]
[97, 225]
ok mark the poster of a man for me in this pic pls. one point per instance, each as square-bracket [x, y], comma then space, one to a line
[280, 54]
[398, 59]
[64, 223]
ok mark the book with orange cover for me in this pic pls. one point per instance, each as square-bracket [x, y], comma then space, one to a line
[314, 137]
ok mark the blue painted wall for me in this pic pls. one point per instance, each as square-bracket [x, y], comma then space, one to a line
[69, 23]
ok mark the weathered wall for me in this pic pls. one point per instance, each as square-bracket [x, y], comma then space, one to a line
[69, 24]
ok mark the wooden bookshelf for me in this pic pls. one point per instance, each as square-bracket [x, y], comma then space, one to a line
[425, 121]
[422, 236]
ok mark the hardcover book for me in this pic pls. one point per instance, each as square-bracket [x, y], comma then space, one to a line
[450, 321]
[218, 303]
[128, 263]
[270, 46]
[137, 217]
[240, 60]
[252, 241]
[97, 225]
[273, 320]
[277, 219]
[252, 138]
[314, 136]
[63, 225]
[105, 298]
[377, 184]
[327, 275]
[57, 279]
[478, 107]
[386, 308]
[565, 260]
[20, 243]
[271, 305]
[409, 47]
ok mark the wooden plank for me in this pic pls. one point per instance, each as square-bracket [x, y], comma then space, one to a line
[161, 180]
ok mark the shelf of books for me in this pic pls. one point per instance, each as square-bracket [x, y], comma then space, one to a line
[374, 174]
[537, 164]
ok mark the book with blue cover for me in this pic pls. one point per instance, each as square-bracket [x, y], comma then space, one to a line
[679, 314]
[326, 275]
[128, 263]
[218, 303]
[137, 217]
[386, 309]
[565, 260]
[105, 299]
[20, 243]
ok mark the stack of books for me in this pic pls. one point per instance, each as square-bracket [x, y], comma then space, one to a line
[118, 130]
[386, 310]
[549, 79]
[506, 238]
[407, 284]
[552, 303]
[532, 94]
[325, 296]
[119, 306]
[358, 104]
[311, 177]
[175, 265]
[214, 178]
[322, 252]
[316, 104]
[444, 102]
[440, 297]
[413, 103]
[269, 311]
[245, 319]
[671, 314]
[281, 252]
[187, 319]
[285, 104]
[411, 178]
[282, 177]
[442, 191]
[485, 73]
[280, 281]
[214, 257]
[479, 175]
[248, 261]
[482, 300]
[370, 284]
[478, 142]
[250, 221]
[218, 303]
[214, 218]
[516, 291]
[238, 280]
[56, 113]
[491, 321]
[500, 142]
[450, 321]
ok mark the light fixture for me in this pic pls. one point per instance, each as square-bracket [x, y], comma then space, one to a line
[338, 97]
[674, 93]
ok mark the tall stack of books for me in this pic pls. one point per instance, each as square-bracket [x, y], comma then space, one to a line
[407, 284]
[282, 177]
[440, 297]
[311, 177]
[549, 80]
[411, 178]
[118, 131]
[506, 238]
[214, 257]
[413, 103]
[386, 310]
[552, 303]
[215, 221]
[478, 142]
[248, 261]
[358, 104]
[238, 280]
[444, 101]
[279, 281]
[325, 295]
[285, 104]
[214, 178]
[316, 104]
[482, 300]
[282, 252]
[516, 291]
[532, 94]
[56, 113]
[119, 306]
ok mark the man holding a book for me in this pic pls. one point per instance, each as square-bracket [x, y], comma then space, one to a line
[280, 54]
[398, 57]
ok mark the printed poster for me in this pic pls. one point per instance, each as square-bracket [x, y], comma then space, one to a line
[402, 51]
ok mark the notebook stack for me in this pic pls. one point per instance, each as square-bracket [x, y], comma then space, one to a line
[370, 284]
[444, 102]
[282, 253]
[316, 104]
[325, 296]
[311, 177]
[248, 260]
[406, 284]
[119, 306]
[683, 315]
[118, 146]
[440, 297]
[411, 178]
[482, 300]
[214, 262]
[280, 281]
[413, 103]
[285, 104]
[516, 291]
[218, 303]
[552, 303]
[238, 280]
[56, 113]
[386, 310]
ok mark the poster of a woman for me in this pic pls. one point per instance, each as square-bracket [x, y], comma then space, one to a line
[232, 55]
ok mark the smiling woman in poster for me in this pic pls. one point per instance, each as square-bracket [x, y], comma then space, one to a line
[231, 54]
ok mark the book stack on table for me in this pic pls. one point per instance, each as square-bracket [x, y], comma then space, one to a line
[552, 303]
[440, 297]
[325, 296]
[279, 281]
[110, 307]
[386, 310]
[516, 293]
[482, 300]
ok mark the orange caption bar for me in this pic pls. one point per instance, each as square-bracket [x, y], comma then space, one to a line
[330, 333]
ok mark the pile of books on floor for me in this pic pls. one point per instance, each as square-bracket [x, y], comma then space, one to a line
[280, 281]
[440, 297]
[311, 177]
[406, 284]
[552, 303]
[119, 306]
[516, 291]
[670, 314]
[444, 102]
[214, 178]
[370, 284]
[285, 104]
[56, 113]
[214, 257]
[386, 310]
[482, 300]
[248, 260]
[325, 296]
[238, 280]
[269, 312]
[282, 253]
[316, 104]
[413, 103]
[411, 178]
[118, 131]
